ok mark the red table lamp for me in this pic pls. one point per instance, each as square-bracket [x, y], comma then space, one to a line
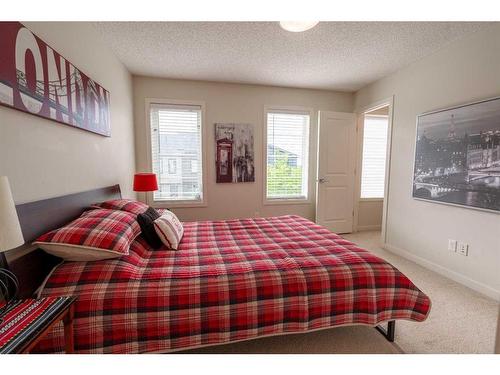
[145, 182]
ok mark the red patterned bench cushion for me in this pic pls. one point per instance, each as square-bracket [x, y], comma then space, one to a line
[230, 280]
[95, 235]
[24, 318]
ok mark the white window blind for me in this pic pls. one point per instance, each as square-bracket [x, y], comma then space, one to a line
[176, 147]
[374, 155]
[287, 155]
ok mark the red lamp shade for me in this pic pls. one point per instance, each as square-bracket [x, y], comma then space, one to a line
[145, 182]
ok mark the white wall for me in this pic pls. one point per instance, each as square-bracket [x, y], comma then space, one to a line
[465, 71]
[234, 103]
[43, 158]
[370, 214]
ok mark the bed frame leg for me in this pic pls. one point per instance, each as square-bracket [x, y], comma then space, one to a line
[389, 332]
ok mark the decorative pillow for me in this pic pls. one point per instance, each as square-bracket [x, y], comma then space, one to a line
[169, 229]
[95, 235]
[146, 220]
[128, 205]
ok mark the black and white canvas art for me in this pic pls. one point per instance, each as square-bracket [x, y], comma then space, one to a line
[234, 153]
[457, 158]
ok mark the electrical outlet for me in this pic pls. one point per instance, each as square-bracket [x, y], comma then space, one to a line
[452, 245]
[463, 248]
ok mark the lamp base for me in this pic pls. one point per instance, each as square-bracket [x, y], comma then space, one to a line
[3, 311]
[9, 288]
[3, 261]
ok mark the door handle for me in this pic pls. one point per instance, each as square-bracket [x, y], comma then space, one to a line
[322, 180]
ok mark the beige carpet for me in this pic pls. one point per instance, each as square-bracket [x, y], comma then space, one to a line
[461, 321]
[341, 340]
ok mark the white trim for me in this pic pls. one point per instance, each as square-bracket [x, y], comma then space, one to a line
[175, 204]
[361, 228]
[312, 131]
[453, 275]
[357, 170]
[291, 109]
[361, 113]
[203, 168]
[377, 105]
[371, 199]
[384, 116]
[283, 201]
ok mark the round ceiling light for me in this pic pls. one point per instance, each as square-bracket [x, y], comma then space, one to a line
[298, 26]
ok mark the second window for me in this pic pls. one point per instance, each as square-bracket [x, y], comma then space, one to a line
[287, 155]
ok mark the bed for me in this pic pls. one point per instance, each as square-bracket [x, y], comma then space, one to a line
[229, 281]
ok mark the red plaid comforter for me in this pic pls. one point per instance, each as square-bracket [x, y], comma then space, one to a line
[230, 280]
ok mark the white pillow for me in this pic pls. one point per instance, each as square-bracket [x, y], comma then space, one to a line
[169, 229]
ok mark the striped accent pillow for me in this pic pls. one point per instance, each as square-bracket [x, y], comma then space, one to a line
[169, 229]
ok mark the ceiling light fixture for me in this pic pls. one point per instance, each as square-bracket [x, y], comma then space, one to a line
[298, 26]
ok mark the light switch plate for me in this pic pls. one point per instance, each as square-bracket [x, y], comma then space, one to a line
[463, 248]
[452, 245]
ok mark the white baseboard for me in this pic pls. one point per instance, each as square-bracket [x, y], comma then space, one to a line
[361, 228]
[455, 276]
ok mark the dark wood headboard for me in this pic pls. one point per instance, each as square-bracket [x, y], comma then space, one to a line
[42, 216]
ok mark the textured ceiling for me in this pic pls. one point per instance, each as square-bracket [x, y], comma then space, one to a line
[341, 56]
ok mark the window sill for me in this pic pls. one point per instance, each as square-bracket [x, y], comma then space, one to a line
[284, 201]
[178, 204]
[371, 199]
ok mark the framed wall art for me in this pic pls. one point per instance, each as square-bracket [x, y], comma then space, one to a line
[234, 153]
[36, 79]
[457, 156]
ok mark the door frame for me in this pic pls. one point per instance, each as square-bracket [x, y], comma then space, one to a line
[360, 113]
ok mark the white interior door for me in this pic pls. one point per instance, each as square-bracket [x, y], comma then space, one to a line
[336, 164]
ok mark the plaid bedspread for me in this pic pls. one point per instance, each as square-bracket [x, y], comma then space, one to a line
[230, 280]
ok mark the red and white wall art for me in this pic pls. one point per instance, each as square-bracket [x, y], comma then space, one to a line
[36, 79]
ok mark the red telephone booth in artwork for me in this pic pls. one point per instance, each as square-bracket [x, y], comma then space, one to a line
[224, 160]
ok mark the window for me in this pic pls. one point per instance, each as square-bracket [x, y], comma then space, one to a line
[176, 145]
[172, 166]
[374, 154]
[194, 166]
[287, 155]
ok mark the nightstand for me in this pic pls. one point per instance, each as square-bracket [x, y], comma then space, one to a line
[27, 321]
